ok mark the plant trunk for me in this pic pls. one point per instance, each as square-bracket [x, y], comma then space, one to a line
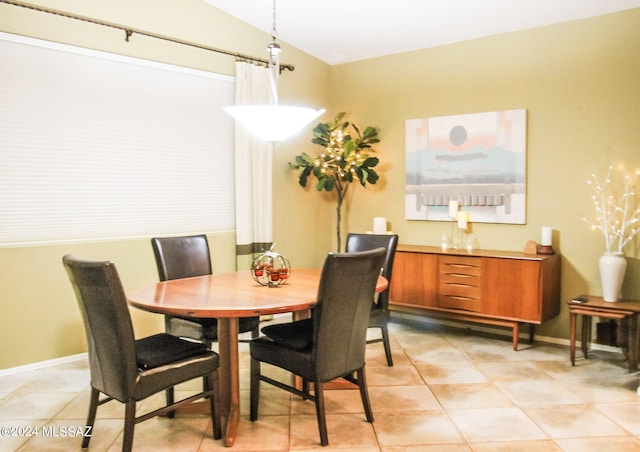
[339, 220]
[342, 193]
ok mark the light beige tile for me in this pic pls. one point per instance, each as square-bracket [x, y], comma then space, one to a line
[164, 434]
[12, 382]
[583, 370]
[496, 425]
[17, 433]
[398, 375]
[397, 399]
[412, 429]
[596, 390]
[422, 340]
[428, 448]
[336, 401]
[344, 430]
[72, 380]
[272, 402]
[79, 406]
[472, 395]
[62, 435]
[518, 446]
[19, 405]
[618, 443]
[450, 373]
[572, 421]
[491, 350]
[539, 351]
[511, 370]
[625, 414]
[538, 392]
[444, 354]
[444, 393]
[268, 433]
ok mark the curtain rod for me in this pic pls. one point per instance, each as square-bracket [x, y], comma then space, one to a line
[129, 31]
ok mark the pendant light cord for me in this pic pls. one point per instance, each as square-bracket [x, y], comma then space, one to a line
[274, 59]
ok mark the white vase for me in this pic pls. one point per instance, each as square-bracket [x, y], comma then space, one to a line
[612, 269]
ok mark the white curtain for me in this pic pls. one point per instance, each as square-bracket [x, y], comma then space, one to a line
[253, 165]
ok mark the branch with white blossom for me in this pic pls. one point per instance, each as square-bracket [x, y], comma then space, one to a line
[617, 217]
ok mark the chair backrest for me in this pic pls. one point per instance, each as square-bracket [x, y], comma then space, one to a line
[110, 338]
[341, 315]
[363, 242]
[181, 257]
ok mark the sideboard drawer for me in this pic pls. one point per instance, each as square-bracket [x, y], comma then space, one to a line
[460, 282]
[504, 288]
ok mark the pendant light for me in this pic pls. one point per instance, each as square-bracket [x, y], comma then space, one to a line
[273, 122]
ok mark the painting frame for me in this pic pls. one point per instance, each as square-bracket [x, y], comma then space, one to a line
[477, 160]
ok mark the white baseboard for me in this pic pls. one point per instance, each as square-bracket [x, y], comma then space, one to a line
[43, 364]
[499, 331]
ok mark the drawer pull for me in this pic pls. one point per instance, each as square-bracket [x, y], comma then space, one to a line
[462, 275]
[451, 264]
[459, 285]
[459, 297]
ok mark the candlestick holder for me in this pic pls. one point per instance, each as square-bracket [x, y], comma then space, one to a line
[271, 269]
[545, 249]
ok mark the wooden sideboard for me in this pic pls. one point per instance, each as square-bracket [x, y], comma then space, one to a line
[503, 288]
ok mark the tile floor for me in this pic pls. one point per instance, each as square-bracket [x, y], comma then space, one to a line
[449, 390]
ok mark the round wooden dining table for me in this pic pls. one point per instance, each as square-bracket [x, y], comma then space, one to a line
[228, 297]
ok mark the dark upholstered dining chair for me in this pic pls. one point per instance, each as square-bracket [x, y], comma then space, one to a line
[185, 257]
[380, 309]
[329, 345]
[130, 370]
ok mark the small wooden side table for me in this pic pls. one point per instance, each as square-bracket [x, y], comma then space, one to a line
[597, 307]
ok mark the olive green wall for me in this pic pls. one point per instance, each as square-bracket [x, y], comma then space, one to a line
[39, 317]
[578, 82]
[580, 85]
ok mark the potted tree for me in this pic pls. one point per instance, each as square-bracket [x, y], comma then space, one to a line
[345, 158]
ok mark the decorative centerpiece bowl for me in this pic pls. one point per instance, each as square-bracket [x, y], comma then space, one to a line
[270, 268]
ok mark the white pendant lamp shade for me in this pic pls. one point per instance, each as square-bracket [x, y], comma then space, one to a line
[273, 123]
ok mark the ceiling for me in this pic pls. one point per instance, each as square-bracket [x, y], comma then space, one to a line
[341, 31]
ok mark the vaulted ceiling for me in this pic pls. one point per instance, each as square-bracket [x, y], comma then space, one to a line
[340, 31]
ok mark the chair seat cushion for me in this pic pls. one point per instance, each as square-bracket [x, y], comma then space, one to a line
[160, 349]
[296, 335]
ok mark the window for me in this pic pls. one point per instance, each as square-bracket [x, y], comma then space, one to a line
[95, 146]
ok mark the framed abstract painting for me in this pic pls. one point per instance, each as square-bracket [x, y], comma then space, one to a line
[476, 161]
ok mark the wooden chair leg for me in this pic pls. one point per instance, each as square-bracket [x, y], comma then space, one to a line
[305, 389]
[129, 425]
[91, 416]
[364, 394]
[254, 389]
[320, 414]
[170, 399]
[387, 344]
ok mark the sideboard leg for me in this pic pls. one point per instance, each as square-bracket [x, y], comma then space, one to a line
[532, 329]
[572, 337]
[516, 333]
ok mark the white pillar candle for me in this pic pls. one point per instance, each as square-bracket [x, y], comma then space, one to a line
[453, 209]
[463, 218]
[379, 225]
[546, 236]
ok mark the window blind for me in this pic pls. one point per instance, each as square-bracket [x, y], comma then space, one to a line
[95, 146]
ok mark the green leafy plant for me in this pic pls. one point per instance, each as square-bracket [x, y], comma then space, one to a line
[345, 158]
